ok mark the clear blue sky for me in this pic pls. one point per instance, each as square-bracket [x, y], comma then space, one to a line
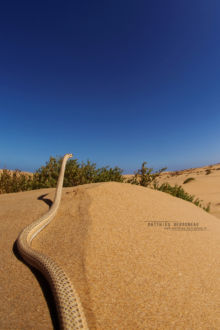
[116, 82]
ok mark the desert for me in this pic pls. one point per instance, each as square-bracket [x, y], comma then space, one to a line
[109, 165]
[139, 258]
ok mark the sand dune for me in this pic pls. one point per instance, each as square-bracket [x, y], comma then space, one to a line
[206, 187]
[130, 272]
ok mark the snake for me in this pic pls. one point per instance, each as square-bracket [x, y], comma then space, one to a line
[69, 308]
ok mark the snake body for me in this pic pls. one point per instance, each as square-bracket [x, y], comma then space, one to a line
[70, 310]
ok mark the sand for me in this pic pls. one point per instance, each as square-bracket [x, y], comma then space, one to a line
[129, 273]
[205, 187]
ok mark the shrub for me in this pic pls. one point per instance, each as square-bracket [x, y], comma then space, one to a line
[176, 191]
[47, 176]
[134, 180]
[188, 180]
[208, 171]
[77, 174]
[207, 208]
[14, 181]
[105, 174]
[145, 176]
[179, 192]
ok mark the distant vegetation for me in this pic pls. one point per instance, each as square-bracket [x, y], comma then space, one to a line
[188, 180]
[145, 177]
[81, 173]
[179, 192]
[175, 173]
[75, 174]
[208, 171]
[14, 182]
[46, 177]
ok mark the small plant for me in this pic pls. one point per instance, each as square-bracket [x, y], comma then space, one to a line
[208, 171]
[145, 176]
[134, 180]
[179, 192]
[207, 208]
[176, 191]
[188, 180]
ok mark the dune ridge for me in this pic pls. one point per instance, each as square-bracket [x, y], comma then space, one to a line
[129, 274]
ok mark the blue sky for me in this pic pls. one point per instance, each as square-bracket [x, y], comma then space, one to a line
[116, 82]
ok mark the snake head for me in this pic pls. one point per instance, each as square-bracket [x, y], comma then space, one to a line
[69, 155]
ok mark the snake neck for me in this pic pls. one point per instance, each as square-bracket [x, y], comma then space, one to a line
[27, 235]
[58, 193]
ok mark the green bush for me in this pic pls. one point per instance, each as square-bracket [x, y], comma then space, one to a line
[46, 176]
[207, 208]
[188, 180]
[179, 192]
[75, 173]
[176, 191]
[145, 176]
[81, 173]
[14, 181]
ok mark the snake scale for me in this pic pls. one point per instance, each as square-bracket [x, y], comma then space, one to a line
[70, 310]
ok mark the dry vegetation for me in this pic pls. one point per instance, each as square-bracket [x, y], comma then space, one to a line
[82, 173]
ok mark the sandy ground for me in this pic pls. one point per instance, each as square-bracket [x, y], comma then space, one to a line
[205, 187]
[130, 271]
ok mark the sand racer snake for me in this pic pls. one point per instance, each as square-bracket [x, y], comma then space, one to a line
[70, 310]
